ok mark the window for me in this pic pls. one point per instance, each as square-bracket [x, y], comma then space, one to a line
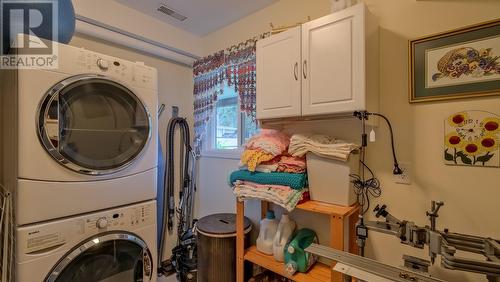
[229, 128]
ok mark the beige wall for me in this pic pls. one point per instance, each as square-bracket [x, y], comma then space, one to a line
[470, 194]
[175, 84]
[120, 16]
[282, 13]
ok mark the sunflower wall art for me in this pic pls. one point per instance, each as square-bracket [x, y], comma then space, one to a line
[472, 138]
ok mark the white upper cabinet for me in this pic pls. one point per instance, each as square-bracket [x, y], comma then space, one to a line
[278, 75]
[338, 63]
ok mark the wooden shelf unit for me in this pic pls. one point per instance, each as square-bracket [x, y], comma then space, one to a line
[340, 218]
[318, 273]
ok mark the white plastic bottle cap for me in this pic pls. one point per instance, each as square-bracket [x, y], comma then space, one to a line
[291, 250]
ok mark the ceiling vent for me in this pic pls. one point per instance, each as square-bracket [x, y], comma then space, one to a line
[170, 12]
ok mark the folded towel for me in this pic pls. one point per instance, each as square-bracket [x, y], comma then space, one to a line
[292, 164]
[293, 180]
[264, 186]
[252, 158]
[262, 167]
[270, 141]
[280, 195]
[321, 145]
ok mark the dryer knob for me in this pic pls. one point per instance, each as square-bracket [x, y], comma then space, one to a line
[103, 64]
[102, 223]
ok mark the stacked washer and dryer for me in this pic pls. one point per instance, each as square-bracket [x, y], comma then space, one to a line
[80, 157]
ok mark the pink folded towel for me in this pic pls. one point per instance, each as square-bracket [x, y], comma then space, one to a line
[270, 141]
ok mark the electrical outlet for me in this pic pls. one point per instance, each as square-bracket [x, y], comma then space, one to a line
[405, 177]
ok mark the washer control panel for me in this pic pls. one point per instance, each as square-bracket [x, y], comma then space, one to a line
[120, 219]
[47, 236]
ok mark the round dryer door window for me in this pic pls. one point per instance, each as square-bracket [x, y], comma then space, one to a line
[93, 125]
[108, 258]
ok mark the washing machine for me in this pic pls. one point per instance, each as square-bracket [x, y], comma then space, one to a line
[116, 245]
[79, 138]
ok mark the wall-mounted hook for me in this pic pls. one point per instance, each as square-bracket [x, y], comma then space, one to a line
[161, 108]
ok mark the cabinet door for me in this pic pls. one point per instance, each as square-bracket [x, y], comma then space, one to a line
[333, 63]
[278, 75]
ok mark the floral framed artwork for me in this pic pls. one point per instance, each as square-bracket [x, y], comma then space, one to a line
[472, 138]
[456, 64]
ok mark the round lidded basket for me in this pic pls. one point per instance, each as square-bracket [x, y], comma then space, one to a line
[216, 247]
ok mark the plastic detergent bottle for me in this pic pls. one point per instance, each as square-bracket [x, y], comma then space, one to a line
[296, 259]
[268, 227]
[283, 235]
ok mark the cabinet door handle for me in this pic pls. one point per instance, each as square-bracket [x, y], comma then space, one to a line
[304, 69]
[295, 71]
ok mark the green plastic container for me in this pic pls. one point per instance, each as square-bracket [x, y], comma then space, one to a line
[296, 259]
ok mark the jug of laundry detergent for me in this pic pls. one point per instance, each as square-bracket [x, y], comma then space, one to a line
[283, 235]
[296, 259]
[268, 227]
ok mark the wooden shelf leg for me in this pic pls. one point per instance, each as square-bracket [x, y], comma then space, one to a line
[240, 241]
[337, 241]
[353, 246]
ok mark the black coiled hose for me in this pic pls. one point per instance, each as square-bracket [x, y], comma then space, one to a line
[168, 210]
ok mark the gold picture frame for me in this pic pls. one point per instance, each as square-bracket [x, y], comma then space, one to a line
[456, 64]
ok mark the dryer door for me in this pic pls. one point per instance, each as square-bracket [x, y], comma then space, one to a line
[114, 257]
[93, 125]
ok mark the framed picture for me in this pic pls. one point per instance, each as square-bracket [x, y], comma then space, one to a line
[461, 63]
[472, 138]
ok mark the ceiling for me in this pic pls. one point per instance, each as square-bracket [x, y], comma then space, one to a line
[203, 16]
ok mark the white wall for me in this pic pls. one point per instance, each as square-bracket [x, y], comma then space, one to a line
[470, 194]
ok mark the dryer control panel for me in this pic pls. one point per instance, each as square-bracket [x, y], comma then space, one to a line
[47, 236]
[75, 61]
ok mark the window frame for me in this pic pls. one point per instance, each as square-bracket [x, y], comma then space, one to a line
[209, 145]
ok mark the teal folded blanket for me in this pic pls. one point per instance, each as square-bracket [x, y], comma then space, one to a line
[293, 180]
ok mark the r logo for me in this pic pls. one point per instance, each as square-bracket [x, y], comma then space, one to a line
[33, 18]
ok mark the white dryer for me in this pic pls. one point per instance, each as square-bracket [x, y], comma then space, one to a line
[117, 245]
[79, 138]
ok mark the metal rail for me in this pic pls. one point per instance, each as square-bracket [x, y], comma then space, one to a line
[371, 266]
[442, 243]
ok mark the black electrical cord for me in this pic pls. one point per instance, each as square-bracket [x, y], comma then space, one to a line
[364, 116]
[397, 169]
[370, 187]
[365, 188]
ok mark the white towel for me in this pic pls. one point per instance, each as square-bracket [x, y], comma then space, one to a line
[321, 145]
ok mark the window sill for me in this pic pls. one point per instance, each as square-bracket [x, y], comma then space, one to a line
[223, 154]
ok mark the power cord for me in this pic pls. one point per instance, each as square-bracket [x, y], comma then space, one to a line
[364, 188]
[397, 169]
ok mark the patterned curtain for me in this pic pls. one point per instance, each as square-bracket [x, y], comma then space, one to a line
[234, 66]
[208, 75]
[240, 74]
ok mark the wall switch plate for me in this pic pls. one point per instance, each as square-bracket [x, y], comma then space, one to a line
[405, 177]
